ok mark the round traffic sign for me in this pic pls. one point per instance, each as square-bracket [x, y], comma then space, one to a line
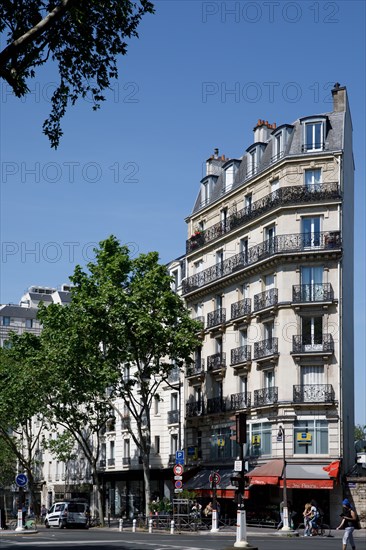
[178, 484]
[21, 480]
[215, 478]
[178, 469]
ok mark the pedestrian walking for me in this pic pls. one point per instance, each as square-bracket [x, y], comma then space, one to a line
[348, 523]
[43, 513]
[307, 517]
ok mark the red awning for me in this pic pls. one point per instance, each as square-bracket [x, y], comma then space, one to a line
[333, 468]
[267, 474]
[308, 483]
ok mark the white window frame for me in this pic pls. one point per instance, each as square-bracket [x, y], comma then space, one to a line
[313, 145]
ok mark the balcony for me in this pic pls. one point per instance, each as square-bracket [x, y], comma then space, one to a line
[265, 349]
[196, 370]
[266, 299]
[216, 318]
[298, 194]
[310, 293]
[216, 405]
[315, 345]
[111, 462]
[194, 408]
[240, 401]
[216, 362]
[241, 355]
[126, 461]
[292, 244]
[265, 396]
[173, 417]
[313, 393]
[241, 309]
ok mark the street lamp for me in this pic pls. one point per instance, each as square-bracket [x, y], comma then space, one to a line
[285, 522]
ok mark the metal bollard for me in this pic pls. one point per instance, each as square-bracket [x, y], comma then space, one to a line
[120, 525]
[133, 526]
[150, 525]
[172, 527]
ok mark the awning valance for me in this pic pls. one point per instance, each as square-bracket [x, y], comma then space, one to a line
[298, 476]
[266, 474]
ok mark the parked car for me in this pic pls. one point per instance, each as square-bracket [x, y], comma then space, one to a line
[68, 514]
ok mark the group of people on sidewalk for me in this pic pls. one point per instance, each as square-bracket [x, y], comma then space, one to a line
[311, 516]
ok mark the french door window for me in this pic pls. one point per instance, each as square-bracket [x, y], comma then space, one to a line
[311, 284]
[314, 136]
[311, 232]
[312, 333]
[313, 179]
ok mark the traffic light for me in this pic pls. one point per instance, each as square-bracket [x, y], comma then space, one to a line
[241, 428]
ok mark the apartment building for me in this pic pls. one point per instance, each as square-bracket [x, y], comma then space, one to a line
[270, 275]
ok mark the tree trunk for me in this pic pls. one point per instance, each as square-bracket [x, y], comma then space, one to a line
[146, 469]
[99, 490]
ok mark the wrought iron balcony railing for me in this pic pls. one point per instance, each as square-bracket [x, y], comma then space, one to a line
[266, 299]
[265, 396]
[313, 393]
[307, 343]
[216, 361]
[241, 355]
[265, 348]
[195, 408]
[215, 318]
[126, 461]
[316, 292]
[173, 417]
[241, 308]
[282, 196]
[281, 244]
[239, 401]
[312, 147]
[197, 368]
[215, 405]
[200, 319]
[111, 461]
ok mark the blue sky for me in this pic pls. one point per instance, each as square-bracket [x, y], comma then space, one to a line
[199, 77]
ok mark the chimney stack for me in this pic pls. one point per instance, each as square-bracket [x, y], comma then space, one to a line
[339, 98]
[263, 130]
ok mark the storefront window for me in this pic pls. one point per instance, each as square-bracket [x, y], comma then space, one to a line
[221, 444]
[311, 437]
[259, 439]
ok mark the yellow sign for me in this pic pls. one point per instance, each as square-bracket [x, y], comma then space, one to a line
[303, 437]
[256, 440]
[220, 442]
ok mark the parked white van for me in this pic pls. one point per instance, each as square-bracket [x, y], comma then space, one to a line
[68, 514]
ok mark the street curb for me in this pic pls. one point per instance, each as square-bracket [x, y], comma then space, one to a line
[6, 532]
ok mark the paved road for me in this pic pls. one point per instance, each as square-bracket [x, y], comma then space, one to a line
[105, 539]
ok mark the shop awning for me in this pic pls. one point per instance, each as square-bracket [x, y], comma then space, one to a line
[200, 483]
[267, 474]
[298, 476]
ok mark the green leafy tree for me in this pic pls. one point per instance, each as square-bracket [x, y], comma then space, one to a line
[360, 432]
[78, 401]
[129, 321]
[22, 390]
[83, 38]
[8, 464]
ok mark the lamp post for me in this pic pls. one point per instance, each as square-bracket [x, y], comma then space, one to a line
[285, 522]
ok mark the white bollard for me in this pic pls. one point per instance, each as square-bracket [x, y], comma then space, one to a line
[133, 526]
[150, 525]
[19, 526]
[120, 525]
[241, 530]
[214, 528]
[172, 527]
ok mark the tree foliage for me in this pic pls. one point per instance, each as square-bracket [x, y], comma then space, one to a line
[360, 432]
[83, 38]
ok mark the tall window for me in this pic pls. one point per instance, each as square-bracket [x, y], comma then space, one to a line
[317, 440]
[312, 333]
[275, 184]
[313, 179]
[6, 321]
[253, 162]
[269, 378]
[311, 232]
[206, 192]
[314, 136]
[174, 401]
[268, 330]
[260, 439]
[244, 249]
[229, 177]
[312, 374]
[243, 337]
[175, 281]
[156, 404]
[278, 146]
[248, 202]
[157, 444]
[243, 384]
[269, 235]
[218, 345]
[223, 217]
[111, 450]
[29, 323]
[311, 283]
[198, 266]
[173, 444]
[218, 301]
[126, 448]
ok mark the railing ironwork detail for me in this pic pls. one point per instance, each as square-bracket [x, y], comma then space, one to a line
[308, 343]
[216, 361]
[195, 408]
[266, 299]
[265, 348]
[265, 396]
[284, 195]
[240, 401]
[241, 308]
[315, 292]
[241, 355]
[215, 405]
[215, 318]
[313, 393]
[111, 461]
[126, 461]
[280, 244]
[197, 368]
[173, 417]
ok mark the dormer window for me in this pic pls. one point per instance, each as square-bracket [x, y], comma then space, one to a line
[207, 187]
[280, 139]
[253, 163]
[254, 157]
[314, 134]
